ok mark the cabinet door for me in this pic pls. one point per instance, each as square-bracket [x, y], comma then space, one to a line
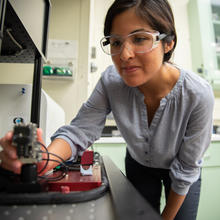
[115, 151]
[216, 27]
[210, 194]
[202, 39]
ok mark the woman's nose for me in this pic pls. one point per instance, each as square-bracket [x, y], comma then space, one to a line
[126, 52]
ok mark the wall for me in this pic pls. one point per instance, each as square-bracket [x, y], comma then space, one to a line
[182, 54]
[70, 21]
[101, 61]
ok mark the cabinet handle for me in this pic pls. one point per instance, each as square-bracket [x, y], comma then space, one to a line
[206, 156]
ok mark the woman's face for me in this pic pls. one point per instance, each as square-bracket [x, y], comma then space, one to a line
[136, 69]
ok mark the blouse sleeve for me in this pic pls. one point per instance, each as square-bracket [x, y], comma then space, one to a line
[185, 168]
[87, 126]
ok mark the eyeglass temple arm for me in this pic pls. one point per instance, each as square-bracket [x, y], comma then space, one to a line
[161, 36]
[105, 42]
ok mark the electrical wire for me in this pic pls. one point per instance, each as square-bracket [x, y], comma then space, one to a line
[50, 153]
[61, 176]
[62, 161]
[47, 157]
[8, 31]
[21, 49]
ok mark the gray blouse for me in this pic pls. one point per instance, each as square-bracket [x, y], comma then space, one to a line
[177, 137]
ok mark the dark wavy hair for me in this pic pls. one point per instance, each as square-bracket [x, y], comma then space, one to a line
[157, 13]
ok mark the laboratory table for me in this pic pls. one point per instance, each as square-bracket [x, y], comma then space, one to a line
[121, 202]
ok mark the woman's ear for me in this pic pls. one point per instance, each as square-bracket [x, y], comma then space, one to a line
[168, 46]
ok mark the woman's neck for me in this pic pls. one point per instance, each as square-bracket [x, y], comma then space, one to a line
[162, 83]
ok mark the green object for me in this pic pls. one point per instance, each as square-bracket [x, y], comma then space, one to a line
[69, 72]
[58, 71]
[58, 167]
[62, 71]
[47, 70]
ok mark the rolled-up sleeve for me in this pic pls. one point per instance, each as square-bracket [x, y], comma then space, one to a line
[87, 126]
[185, 168]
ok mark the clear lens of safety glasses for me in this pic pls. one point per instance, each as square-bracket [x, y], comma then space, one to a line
[139, 42]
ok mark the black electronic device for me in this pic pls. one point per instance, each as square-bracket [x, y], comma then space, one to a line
[28, 151]
[27, 145]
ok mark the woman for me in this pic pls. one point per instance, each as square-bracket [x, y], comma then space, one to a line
[163, 112]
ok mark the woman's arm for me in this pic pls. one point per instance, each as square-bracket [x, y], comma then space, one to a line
[59, 147]
[185, 168]
[173, 205]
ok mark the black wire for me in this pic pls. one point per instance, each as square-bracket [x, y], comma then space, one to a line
[61, 176]
[63, 162]
[59, 162]
[47, 157]
[50, 153]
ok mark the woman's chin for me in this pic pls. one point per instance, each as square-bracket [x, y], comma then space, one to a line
[132, 83]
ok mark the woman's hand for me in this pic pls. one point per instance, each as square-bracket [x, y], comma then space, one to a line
[8, 154]
[41, 165]
[172, 206]
[10, 161]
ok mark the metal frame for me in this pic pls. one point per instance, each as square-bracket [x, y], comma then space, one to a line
[128, 203]
[2, 19]
[36, 89]
[38, 68]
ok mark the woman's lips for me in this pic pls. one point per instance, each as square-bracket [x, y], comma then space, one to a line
[130, 69]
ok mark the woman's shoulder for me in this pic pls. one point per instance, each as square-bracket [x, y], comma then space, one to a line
[111, 73]
[196, 86]
[111, 76]
[194, 82]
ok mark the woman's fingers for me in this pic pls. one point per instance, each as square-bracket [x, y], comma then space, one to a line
[9, 163]
[40, 135]
[41, 165]
[6, 144]
[8, 155]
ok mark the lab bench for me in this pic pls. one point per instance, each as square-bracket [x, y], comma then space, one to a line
[121, 202]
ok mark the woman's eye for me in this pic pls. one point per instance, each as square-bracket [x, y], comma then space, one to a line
[140, 39]
[116, 43]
